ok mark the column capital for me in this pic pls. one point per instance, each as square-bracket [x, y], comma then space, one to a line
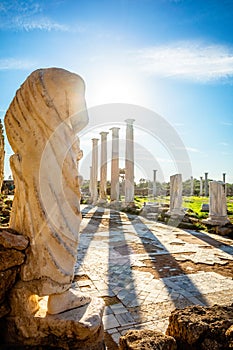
[129, 121]
[94, 140]
[104, 133]
[115, 131]
[114, 128]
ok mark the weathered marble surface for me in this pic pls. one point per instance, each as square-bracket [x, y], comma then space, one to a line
[218, 204]
[176, 195]
[41, 124]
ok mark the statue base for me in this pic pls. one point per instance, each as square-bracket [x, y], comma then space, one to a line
[31, 325]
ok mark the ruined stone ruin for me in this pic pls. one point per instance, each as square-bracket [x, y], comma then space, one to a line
[41, 124]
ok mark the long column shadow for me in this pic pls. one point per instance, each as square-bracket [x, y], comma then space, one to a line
[86, 237]
[212, 241]
[86, 210]
[120, 276]
[179, 284]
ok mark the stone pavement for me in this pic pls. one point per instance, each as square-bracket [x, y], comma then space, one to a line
[144, 269]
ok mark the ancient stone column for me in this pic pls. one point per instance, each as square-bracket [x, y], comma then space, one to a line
[154, 183]
[176, 195]
[2, 155]
[90, 183]
[94, 171]
[201, 186]
[115, 165]
[103, 167]
[129, 162]
[224, 181]
[191, 186]
[218, 206]
[206, 185]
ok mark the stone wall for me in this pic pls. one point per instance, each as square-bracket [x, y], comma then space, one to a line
[12, 255]
[192, 328]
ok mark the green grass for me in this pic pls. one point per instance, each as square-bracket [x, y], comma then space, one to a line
[193, 203]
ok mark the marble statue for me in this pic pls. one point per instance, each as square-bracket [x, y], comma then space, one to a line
[42, 123]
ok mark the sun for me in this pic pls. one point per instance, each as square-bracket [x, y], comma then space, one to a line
[115, 86]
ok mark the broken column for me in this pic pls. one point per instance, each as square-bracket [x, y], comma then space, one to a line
[115, 165]
[103, 167]
[201, 186]
[94, 170]
[206, 185]
[129, 162]
[191, 186]
[217, 204]
[176, 195]
[224, 181]
[154, 183]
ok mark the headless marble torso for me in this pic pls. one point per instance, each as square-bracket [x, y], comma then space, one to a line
[41, 124]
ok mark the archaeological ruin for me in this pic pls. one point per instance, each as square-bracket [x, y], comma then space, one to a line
[118, 270]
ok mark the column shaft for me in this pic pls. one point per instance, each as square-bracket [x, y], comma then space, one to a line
[94, 171]
[103, 167]
[154, 183]
[129, 162]
[206, 185]
[201, 186]
[191, 186]
[176, 195]
[115, 165]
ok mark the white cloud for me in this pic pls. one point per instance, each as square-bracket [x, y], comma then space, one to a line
[188, 60]
[41, 23]
[11, 63]
[26, 15]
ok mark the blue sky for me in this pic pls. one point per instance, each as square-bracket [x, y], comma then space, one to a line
[174, 57]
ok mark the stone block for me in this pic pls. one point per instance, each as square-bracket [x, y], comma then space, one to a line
[198, 327]
[11, 240]
[147, 340]
[7, 280]
[205, 207]
[4, 309]
[10, 258]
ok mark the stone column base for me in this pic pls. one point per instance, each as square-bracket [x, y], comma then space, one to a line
[216, 220]
[176, 213]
